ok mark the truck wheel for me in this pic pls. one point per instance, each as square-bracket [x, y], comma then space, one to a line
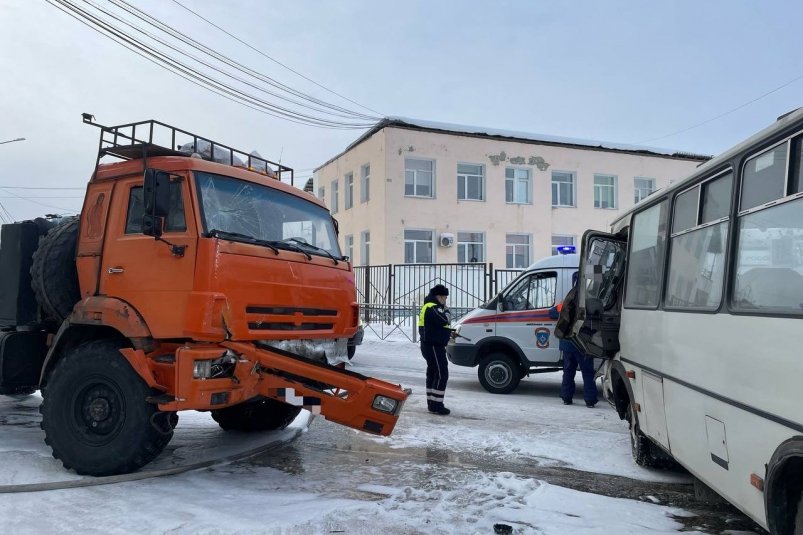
[350, 351]
[95, 414]
[54, 278]
[499, 373]
[18, 392]
[260, 415]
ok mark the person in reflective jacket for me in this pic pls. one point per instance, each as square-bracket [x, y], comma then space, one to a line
[434, 330]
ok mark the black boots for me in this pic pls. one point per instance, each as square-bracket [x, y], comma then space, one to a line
[436, 407]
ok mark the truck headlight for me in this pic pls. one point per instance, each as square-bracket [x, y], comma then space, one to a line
[385, 404]
[202, 369]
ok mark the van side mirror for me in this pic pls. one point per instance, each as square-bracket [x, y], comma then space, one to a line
[156, 197]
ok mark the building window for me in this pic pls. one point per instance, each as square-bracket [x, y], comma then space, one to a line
[365, 183]
[642, 188]
[605, 193]
[470, 182]
[470, 247]
[349, 201]
[517, 185]
[562, 240]
[418, 247]
[563, 188]
[365, 248]
[322, 193]
[419, 178]
[333, 207]
[517, 251]
[350, 247]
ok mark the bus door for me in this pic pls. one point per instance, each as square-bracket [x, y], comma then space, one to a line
[598, 302]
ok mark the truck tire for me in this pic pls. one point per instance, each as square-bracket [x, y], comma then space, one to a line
[499, 373]
[261, 415]
[95, 414]
[54, 277]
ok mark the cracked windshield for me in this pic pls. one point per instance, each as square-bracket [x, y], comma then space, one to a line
[237, 207]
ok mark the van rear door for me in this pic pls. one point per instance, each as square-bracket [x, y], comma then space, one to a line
[598, 303]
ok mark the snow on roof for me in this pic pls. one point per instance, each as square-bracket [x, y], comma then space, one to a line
[450, 128]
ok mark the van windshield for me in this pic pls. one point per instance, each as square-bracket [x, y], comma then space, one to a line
[237, 207]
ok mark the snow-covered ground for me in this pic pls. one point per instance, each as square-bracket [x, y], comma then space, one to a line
[381, 489]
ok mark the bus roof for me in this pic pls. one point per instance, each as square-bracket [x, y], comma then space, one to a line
[783, 122]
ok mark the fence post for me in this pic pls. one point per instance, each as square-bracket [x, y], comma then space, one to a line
[367, 294]
[391, 277]
[491, 282]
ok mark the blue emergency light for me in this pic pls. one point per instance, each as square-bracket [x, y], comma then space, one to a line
[567, 249]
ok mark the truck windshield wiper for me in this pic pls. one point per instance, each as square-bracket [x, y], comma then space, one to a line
[282, 244]
[313, 247]
[236, 236]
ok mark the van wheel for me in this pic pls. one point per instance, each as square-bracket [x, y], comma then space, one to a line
[499, 373]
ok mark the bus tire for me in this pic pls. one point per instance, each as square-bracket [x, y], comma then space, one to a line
[640, 445]
[799, 517]
[499, 373]
[261, 415]
[95, 415]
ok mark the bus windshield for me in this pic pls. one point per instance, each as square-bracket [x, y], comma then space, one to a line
[233, 206]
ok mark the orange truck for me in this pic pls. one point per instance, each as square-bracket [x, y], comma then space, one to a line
[194, 278]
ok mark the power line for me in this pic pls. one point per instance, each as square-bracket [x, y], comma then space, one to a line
[273, 59]
[768, 93]
[152, 21]
[189, 73]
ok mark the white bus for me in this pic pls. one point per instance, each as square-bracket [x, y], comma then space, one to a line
[696, 301]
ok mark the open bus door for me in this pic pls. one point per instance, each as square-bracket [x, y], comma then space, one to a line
[598, 302]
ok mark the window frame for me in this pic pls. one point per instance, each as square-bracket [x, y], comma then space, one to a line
[334, 194]
[415, 178]
[482, 245]
[515, 181]
[348, 245]
[554, 247]
[654, 187]
[662, 280]
[573, 183]
[615, 187]
[365, 182]
[529, 248]
[365, 247]
[720, 173]
[465, 186]
[348, 180]
[431, 242]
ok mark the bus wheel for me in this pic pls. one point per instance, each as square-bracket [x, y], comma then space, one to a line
[260, 415]
[640, 446]
[799, 517]
[499, 373]
[95, 415]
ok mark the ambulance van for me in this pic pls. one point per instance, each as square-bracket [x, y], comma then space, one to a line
[512, 335]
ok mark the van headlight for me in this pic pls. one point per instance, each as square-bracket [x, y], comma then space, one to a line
[385, 404]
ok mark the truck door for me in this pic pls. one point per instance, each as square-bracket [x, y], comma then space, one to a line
[524, 316]
[599, 290]
[143, 271]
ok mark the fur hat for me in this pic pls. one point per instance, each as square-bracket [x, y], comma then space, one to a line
[439, 289]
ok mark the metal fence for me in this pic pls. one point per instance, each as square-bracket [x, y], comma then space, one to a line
[390, 295]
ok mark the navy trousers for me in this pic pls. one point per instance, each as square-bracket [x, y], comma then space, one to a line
[571, 360]
[437, 371]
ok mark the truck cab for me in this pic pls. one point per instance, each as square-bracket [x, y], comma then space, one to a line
[513, 335]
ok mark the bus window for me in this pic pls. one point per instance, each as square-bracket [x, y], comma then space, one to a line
[764, 178]
[697, 256]
[646, 262]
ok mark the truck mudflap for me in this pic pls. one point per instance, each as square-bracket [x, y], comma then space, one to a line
[340, 396]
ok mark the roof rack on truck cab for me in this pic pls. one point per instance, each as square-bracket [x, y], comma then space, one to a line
[152, 138]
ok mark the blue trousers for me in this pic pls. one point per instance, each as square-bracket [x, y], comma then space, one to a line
[437, 371]
[571, 360]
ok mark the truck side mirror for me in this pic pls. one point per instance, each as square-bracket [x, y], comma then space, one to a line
[156, 196]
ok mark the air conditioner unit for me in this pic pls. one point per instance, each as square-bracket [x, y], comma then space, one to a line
[446, 239]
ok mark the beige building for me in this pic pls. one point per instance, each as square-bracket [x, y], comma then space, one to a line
[421, 192]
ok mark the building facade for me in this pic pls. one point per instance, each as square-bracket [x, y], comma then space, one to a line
[422, 192]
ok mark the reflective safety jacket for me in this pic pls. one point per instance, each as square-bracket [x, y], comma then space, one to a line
[434, 322]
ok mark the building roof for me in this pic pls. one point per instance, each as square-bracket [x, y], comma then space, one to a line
[512, 135]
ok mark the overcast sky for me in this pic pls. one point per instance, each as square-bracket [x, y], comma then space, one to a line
[628, 72]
